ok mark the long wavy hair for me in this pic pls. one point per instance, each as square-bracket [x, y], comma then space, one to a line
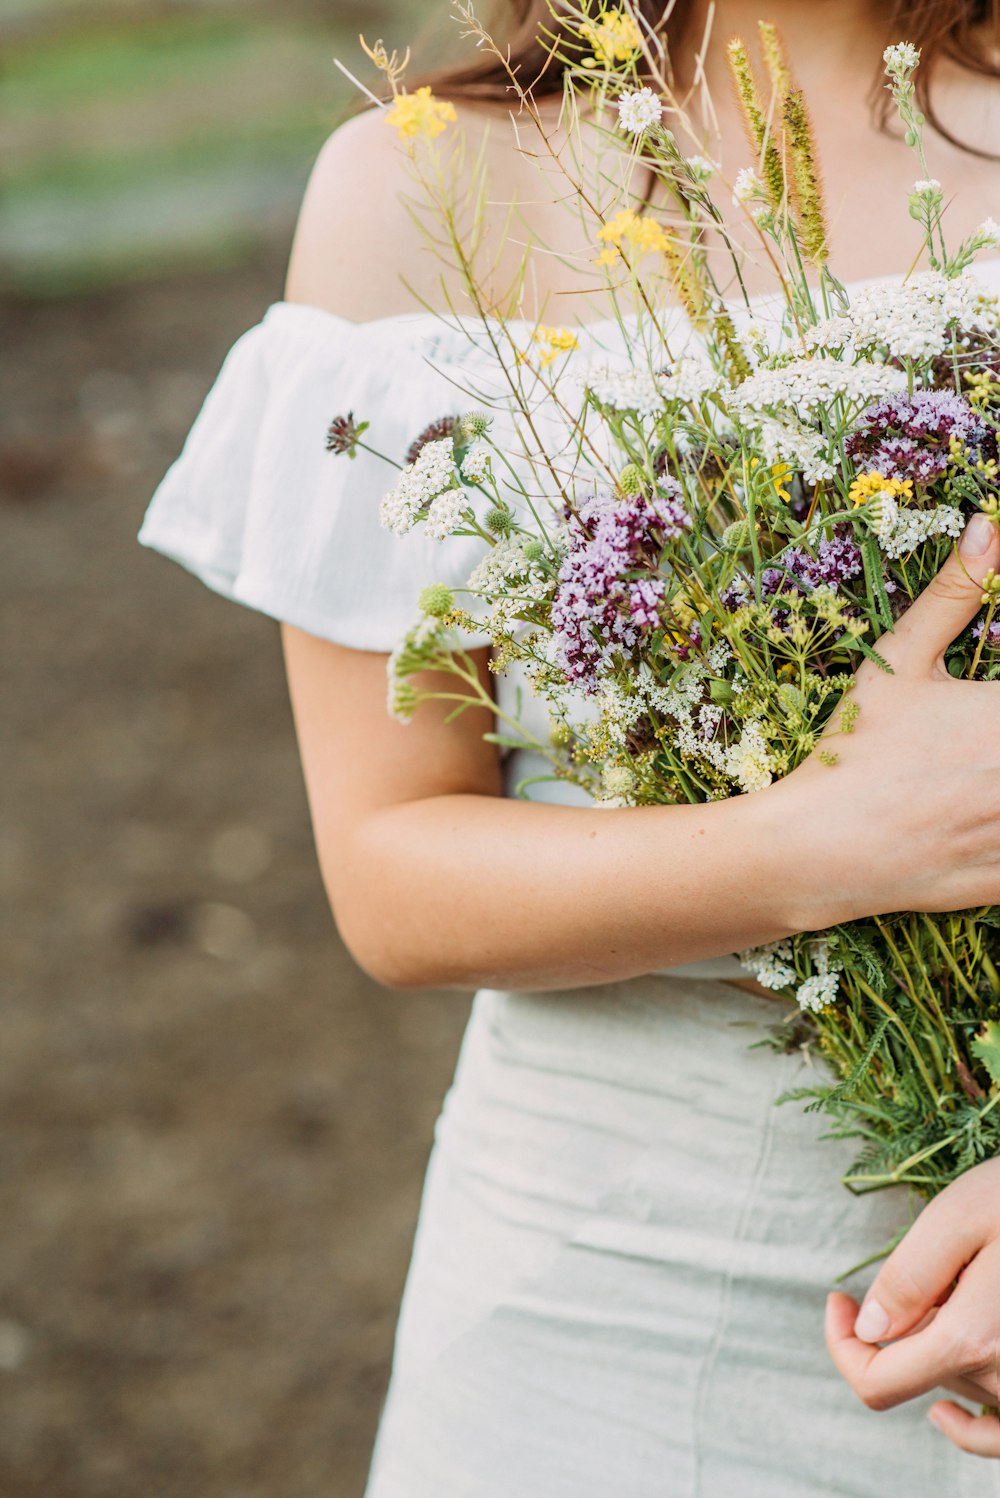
[965, 31]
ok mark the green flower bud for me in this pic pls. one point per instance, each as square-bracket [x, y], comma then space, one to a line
[436, 599]
[499, 521]
[533, 550]
[632, 480]
[736, 537]
[476, 424]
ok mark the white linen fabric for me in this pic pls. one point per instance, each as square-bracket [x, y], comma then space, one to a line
[619, 1273]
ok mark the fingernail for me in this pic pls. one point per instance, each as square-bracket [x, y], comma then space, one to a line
[976, 537]
[935, 1419]
[872, 1322]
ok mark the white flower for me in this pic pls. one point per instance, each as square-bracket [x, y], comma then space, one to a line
[639, 110]
[911, 319]
[747, 185]
[770, 964]
[988, 233]
[900, 530]
[647, 393]
[749, 760]
[821, 989]
[701, 168]
[927, 187]
[900, 59]
[418, 484]
[445, 512]
[476, 463]
[750, 193]
[806, 386]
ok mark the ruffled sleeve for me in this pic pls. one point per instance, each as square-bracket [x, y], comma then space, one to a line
[258, 508]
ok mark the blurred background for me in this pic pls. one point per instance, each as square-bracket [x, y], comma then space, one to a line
[214, 1128]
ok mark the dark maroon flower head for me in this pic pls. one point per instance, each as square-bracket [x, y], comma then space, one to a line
[435, 432]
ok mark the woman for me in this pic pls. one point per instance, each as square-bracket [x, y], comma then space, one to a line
[623, 1248]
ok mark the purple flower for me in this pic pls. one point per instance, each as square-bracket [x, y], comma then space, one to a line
[608, 595]
[907, 436]
[992, 634]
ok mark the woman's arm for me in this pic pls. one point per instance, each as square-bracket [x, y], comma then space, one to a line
[436, 879]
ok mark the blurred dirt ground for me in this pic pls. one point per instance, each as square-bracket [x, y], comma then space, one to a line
[214, 1128]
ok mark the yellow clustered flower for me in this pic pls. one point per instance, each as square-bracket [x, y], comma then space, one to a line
[640, 235]
[419, 115]
[553, 342]
[614, 38]
[869, 484]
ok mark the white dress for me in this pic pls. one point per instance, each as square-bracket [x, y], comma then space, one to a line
[624, 1246]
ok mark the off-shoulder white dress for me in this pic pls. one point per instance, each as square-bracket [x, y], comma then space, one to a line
[624, 1246]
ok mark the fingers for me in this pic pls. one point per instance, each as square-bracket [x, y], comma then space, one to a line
[882, 1377]
[967, 1388]
[919, 1272]
[949, 602]
[978, 1434]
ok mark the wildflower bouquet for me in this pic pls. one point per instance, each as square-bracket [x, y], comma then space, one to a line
[691, 573]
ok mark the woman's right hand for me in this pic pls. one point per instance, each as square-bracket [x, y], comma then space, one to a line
[909, 816]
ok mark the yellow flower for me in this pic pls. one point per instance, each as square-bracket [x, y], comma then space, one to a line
[639, 235]
[779, 473]
[553, 342]
[869, 484]
[420, 115]
[614, 38]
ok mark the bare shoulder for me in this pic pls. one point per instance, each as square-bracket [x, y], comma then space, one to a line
[357, 250]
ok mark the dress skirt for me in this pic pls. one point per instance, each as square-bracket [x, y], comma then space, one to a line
[619, 1273]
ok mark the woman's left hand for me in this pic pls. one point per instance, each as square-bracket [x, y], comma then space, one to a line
[937, 1297]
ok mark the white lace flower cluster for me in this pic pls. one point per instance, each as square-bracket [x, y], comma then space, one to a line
[900, 530]
[506, 579]
[646, 392]
[426, 487]
[807, 386]
[639, 110]
[911, 320]
[772, 966]
[792, 442]
[819, 991]
[476, 463]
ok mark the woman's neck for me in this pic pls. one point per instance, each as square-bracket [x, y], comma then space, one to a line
[849, 30]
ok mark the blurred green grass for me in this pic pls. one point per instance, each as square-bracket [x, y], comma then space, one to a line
[140, 137]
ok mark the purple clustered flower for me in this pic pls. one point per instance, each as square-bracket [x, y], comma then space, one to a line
[992, 634]
[608, 595]
[837, 560]
[907, 436]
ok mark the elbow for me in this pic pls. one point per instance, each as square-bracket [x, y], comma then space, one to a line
[377, 934]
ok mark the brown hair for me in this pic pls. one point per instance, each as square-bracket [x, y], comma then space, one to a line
[965, 31]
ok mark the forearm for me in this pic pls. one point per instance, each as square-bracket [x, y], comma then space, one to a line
[466, 891]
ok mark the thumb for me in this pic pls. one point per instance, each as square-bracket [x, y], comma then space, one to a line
[950, 600]
[919, 1273]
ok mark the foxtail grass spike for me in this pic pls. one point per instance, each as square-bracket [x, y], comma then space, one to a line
[805, 176]
[755, 120]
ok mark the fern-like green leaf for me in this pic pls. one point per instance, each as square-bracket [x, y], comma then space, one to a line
[986, 1045]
